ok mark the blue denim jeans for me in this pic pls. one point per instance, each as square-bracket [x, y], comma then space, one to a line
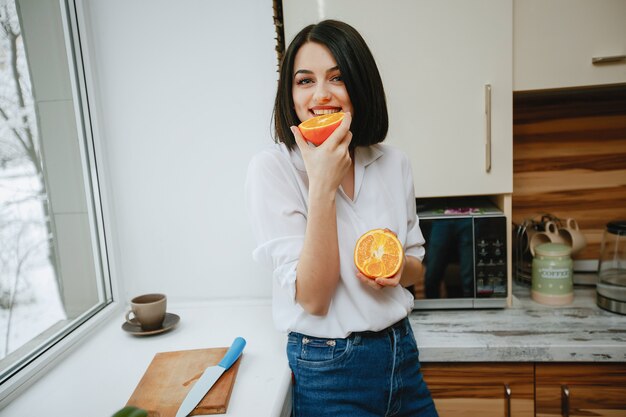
[371, 374]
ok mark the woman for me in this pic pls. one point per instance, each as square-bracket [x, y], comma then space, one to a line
[350, 344]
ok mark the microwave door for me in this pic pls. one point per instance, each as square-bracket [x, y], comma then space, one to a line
[490, 258]
[449, 260]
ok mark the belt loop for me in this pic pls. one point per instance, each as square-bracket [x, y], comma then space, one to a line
[357, 338]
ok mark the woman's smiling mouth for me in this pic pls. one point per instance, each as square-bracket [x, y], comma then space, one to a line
[318, 111]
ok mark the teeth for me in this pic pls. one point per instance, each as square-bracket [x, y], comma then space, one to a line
[325, 111]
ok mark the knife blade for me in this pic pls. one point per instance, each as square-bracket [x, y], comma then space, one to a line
[209, 377]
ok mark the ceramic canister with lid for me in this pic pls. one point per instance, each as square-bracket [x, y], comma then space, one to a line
[552, 274]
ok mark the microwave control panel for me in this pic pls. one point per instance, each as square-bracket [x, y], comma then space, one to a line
[490, 257]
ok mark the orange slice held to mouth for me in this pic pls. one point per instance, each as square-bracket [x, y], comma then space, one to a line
[378, 254]
[317, 129]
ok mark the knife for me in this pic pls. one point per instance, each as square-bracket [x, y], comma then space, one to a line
[209, 377]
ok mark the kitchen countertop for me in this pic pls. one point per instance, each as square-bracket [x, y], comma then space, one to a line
[98, 377]
[525, 332]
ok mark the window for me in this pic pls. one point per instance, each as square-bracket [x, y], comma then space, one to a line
[53, 264]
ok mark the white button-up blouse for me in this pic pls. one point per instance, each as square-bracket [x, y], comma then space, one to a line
[277, 203]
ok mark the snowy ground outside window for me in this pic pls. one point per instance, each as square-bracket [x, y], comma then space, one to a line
[32, 303]
[29, 295]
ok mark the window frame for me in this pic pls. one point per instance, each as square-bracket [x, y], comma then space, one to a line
[57, 345]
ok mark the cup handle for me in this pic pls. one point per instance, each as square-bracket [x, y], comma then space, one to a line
[571, 224]
[132, 321]
[551, 228]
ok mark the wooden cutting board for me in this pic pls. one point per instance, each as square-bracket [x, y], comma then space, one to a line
[171, 375]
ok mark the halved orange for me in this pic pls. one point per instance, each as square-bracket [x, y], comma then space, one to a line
[378, 253]
[317, 129]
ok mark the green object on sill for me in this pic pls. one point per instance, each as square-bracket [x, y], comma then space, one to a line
[131, 412]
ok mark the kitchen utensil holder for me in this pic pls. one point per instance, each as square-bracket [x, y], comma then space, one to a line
[522, 258]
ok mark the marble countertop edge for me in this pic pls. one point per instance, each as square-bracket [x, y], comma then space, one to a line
[526, 332]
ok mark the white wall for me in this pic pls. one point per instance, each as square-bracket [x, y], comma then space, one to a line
[185, 92]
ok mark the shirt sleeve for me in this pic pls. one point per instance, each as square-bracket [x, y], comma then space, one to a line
[277, 212]
[414, 238]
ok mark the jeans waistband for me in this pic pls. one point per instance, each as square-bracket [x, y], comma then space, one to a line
[402, 324]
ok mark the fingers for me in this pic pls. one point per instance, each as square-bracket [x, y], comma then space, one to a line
[368, 281]
[302, 144]
[390, 231]
[388, 282]
[342, 134]
[379, 283]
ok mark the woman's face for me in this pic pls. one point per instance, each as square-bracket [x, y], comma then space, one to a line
[317, 84]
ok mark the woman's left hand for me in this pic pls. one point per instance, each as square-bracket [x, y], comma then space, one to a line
[380, 283]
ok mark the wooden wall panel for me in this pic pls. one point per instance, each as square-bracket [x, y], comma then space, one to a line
[569, 157]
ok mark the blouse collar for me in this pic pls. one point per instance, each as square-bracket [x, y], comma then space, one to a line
[364, 155]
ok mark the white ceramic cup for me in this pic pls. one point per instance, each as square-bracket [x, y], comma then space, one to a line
[572, 236]
[149, 311]
[549, 235]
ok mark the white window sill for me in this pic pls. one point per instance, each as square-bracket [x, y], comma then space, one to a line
[55, 354]
[98, 375]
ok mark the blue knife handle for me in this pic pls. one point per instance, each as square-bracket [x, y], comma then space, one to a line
[233, 353]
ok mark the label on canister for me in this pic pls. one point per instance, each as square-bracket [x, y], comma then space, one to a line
[552, 277]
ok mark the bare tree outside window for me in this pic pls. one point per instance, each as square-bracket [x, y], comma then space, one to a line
[29, 286]
[54, 272]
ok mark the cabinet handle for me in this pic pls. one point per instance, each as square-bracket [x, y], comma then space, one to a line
[488, 127]
[507, 404]
[599, 60]
[564, 401]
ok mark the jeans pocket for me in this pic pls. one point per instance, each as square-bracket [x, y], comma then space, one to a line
[320, 352]
[412, 343]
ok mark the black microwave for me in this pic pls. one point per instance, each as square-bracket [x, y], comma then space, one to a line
[465, 265]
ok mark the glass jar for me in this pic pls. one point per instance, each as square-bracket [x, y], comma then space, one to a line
[552, 274]
[611, 287]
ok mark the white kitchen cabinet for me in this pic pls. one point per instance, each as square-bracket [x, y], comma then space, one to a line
[436, 59]
[556, 40]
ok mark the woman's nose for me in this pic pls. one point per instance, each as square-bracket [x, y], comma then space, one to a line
[322, 95]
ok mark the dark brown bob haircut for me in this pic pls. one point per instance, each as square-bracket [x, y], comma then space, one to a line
[359, 73]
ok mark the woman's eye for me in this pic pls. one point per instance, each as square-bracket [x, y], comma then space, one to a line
[337, 78]
[304, 81]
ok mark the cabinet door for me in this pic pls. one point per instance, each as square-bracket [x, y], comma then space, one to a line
[556, 40]
[435, 59]
[486, 390]
[597, 389]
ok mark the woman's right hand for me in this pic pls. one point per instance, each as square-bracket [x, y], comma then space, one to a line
[327, 164]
